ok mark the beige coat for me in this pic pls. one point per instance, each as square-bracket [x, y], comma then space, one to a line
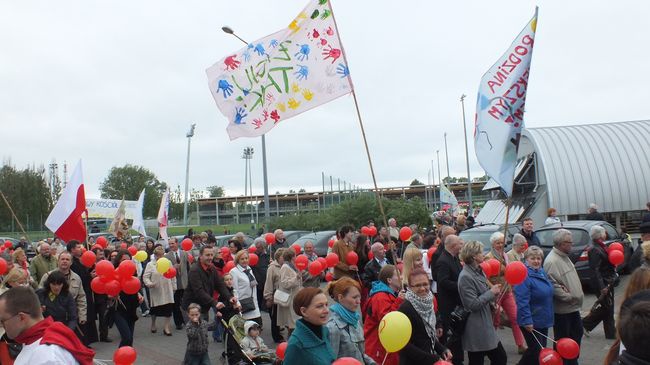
[76, 291]
[161, 289]
[291, 283]
[272, 280]
[567, 290]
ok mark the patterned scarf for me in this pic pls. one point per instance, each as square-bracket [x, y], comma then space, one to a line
[424, 307]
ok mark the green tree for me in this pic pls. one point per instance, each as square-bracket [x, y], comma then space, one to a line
[28, 193]
[216, 191]
[416, 182]
[127, 182]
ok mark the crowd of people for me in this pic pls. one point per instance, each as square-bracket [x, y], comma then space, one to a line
[434, 278]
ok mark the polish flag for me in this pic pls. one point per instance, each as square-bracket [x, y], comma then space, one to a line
[65, 219]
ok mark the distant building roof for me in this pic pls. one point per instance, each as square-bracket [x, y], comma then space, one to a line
[607, 164]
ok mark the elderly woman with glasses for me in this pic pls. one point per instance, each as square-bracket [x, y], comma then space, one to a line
[423, 346]
[480, 337]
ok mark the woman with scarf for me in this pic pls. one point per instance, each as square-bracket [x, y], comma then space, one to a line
[344, 324]
[245, 288]
[161, 289]
[507, 302]
[423, 346]
[386, 296]
[290, 282]
[56, 300]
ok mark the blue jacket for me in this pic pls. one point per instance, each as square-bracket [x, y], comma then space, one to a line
[535, 300]
[305, 348]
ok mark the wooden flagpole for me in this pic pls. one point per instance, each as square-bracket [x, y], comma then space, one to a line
[14, 214]
[363, 132]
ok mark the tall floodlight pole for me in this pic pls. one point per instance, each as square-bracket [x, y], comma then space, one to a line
[439, 175]
[189, 136]
[469, 179]
[267, 208]
[447, 159]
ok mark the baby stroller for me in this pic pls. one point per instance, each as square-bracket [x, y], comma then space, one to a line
[234, 353]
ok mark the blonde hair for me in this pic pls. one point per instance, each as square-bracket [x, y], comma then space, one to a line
[469, 250]
[14, 274]
[534, 251]
[17, 252]
[410, 256]
[239, 255]
[227, 276]
[159, 251]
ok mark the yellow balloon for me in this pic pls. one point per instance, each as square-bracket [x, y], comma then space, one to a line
[394, 331]
[163, 264]
[140, 256]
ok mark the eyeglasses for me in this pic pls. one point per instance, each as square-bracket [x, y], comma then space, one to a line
[418, 286]
[3, 321]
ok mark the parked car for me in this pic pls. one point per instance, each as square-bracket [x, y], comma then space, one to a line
[30, 251]
[319, 239]
[292, 236]
[222, 241]
[483, 232]
[109, 236]
[581, 239]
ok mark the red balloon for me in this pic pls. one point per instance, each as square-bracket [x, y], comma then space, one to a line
[330, 243]
[329, 277]
[88, 259]
[126, 269]
[253, 259]
[323, 262]
[224, 251]
[132, 250]
[8, 244]
[352, 258]
[568, 348]
[296, 247]
[228, 266]
[487, 269]
[616, 257]
[495, 267]
[615, 246]
[98, 286]
[280, 350]
[400, 267]
[124, 355]
[104, 268]
[170, 273]
[113, 288]
[371, 255]
[372, 231]
[332, 259]
[269, 238]
[190, 258]
[131, 285]
[549, 357]
[431, 251]
[364, 230]
[123, 245]
[83, 249]
[315, 268]
[346, 361]
[301, 262]
[102, 241]
[96, 247]
[187, 244]
[405, 233]
[516, 273]
[442, 362]
[252, 249]
[3, 266]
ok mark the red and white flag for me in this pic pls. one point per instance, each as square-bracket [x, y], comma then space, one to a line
[163, 216]
[65, 219]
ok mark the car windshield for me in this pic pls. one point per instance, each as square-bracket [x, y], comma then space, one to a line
[477, 235]
[579, 236]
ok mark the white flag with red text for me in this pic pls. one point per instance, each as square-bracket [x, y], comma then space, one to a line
[65, 219]
[281, 75]
[500, 109]
[163, 217]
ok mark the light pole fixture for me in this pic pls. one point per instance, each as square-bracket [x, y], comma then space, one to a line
[189, 136]
[469, 179]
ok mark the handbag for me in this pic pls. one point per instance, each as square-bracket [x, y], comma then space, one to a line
[281, 298]
[247, 304]
[457, 323]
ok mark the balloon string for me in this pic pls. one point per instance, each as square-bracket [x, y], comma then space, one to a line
[543, 335]
[385, 357]
[537, 340]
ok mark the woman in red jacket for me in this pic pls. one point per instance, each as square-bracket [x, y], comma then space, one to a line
[386, 296]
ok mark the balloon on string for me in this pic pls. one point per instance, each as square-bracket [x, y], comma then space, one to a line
[88, 259]
[163, 264]
[323, 262]
[487, 269]
[394, 331]
[332, 259]
[364, 230]
[132, 250]
[372, 231]
[8, 244]
[371, 255]
[228, 266]
[112, 288]
[352, 258]
[516, 273]
[253, 259]
[187, 244]
[140, 256]
[252, 249]
[329, 277]
[315, 268]
[495, 267]
[347, 361]
[124, 355]
[97, 285]
[104, 268]
[3, 266]
[330, 243]
[102, 241]
[126, 269]
[442, 362]
[224, 251]
[83, 249]
[615, 246]
[130, 285]
[549, 357]
[269, 238]
[281, 350]
[171, 273]
[405, 233]
[123, 245]
[301, 262]
[616, 257]
[190, 258]
[568, 348]
[431, 251]
[296, 247]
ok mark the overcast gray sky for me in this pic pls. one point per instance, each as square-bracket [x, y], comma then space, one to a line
[116, 82]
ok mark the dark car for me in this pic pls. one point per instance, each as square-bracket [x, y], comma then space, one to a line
[109, 236]
[319, 239]
[222, 241]
[581, 239]
[292, 236]
[483, 232]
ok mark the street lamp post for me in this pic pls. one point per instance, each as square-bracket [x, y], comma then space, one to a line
[248, 180]
[447, 158]
[439, 175]
[189, 136]
[469, 179]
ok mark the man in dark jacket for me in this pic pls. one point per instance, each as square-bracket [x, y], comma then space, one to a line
[604, 274]
[373, 267]
[259, 270]
[88, 328]
[594, 214]
[202, 281]
[646, 215]
[527, 230]
[447, 269]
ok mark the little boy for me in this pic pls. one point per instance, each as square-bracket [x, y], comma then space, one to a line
[197, 337]
[253, 344]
